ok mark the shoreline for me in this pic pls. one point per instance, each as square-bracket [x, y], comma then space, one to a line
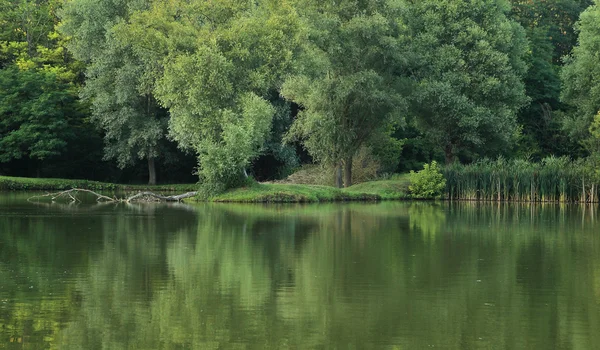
[396, 189]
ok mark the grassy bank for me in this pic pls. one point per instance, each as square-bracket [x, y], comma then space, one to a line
[396, 188]
[289, 193]
[8, 183]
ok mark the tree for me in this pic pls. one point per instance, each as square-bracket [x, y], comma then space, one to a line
[220, 61]
[122, 99]
[348, 85]
[581, 77]
[549, 29]
[27, 21]
[42, 117]
[35, 109]
[467, 59]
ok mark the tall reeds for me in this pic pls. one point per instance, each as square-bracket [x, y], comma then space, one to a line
[554, 179]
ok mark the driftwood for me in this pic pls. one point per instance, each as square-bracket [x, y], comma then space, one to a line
[176, 198]
[141, 196]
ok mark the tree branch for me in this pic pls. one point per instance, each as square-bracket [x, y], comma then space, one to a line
[141, 196]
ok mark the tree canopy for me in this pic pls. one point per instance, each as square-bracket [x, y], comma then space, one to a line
[467, 59]
[349, 81]
[122, 100]
[220, 62]
[253, 87]
[581, 75]
[549, 26]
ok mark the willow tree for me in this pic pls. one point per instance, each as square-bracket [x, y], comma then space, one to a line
[467, 59]
[122, 99]
[219, 63]
[348, 83]
[581, 78]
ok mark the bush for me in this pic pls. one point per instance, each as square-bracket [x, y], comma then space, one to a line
[427, 183]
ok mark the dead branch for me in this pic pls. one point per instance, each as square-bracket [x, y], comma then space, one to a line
[141, 196]
[176, 198]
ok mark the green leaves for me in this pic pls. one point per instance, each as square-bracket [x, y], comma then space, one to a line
[467, 61]
[346, 81]
[581, 75]
[119, 79]
[216, 86]
[35, 108]
[427, 183]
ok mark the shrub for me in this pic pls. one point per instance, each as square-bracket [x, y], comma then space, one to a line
[427, 183]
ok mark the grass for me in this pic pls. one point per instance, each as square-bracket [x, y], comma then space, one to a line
[396, 188]
[8, 183]
[551, 180]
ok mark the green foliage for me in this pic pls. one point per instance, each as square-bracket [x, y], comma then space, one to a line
[594, 140]
[394, 188]
[35, 112]
[217, 76]
[27, 22]
[551, 180]
[43, 125]
[282, 153]
[346, 82]
[467, 59]
[283, 193]
[581, 77]
[427, 183]
[223, 160]
[117, 84]
[41, 184]
[549, 27]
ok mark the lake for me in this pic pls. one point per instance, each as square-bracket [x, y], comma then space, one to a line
[392, 275]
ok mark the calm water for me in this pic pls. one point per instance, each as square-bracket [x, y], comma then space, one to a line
[345, 276]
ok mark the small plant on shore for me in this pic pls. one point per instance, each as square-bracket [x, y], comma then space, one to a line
[427, 183]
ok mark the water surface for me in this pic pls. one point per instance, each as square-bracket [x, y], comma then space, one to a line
[337, 276]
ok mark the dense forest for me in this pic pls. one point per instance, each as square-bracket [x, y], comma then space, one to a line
[215, 91]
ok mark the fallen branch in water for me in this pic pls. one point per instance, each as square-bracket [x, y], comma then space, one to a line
[141, 196]
[176, 198]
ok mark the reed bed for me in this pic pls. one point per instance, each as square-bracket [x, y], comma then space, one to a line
[554, 179]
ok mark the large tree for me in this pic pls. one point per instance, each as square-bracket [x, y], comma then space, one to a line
[348, 84]
[220, 62]
[467, 59]
[123, 103]
[581, 78]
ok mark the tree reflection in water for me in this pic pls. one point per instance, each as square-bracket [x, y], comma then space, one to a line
[317, 276]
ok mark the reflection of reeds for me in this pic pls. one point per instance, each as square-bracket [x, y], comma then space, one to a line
[554, 179]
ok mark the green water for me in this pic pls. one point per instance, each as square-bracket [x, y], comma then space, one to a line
[343, 276]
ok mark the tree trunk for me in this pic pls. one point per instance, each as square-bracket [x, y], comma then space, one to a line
[449, 153]
[338, 175]
[348, 172]
[29, 38]
[151, 171]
